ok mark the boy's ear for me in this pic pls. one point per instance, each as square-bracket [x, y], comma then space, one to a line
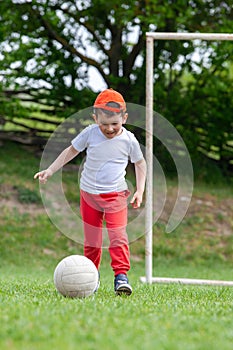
[94, 117]
[124, 118]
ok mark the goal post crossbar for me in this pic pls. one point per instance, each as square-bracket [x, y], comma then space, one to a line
[150, 37]
[190, 36]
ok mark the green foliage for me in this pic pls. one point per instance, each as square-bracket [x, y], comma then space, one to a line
[48, 47]
[199, 104]
[49, 40]
[211, 116]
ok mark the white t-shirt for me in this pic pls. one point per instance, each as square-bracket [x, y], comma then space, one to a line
[106, 160]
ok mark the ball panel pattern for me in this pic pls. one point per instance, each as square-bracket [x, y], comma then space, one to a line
[76, 276]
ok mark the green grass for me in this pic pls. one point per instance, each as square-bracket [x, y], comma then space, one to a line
[34, 316]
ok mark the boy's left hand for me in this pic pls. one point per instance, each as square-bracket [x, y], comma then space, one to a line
[136, 200]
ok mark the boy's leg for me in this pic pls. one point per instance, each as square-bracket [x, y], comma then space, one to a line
[118, 248]
[119, 251]
[92, 224]
[116, 223]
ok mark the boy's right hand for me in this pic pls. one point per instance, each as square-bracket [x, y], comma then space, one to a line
[43, 175]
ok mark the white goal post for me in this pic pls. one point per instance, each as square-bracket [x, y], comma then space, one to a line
[150, 37]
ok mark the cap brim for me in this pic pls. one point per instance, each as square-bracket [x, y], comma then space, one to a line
[109, 108]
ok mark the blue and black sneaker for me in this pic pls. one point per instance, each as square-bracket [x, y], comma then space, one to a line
[121, 285]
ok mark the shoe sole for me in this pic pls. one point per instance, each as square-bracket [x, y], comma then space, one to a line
[123, 290]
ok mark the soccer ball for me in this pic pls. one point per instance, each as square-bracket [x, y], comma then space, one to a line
[76, 277]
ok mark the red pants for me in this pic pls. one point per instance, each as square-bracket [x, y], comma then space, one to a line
[111, 207]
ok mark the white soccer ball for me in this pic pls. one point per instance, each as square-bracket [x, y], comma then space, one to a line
[76, 277]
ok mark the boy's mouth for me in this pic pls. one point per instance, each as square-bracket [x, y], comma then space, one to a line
[110, 133]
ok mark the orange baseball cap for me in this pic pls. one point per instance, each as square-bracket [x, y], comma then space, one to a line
[110, 95]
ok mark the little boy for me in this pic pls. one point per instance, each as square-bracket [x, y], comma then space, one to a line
[103, 187]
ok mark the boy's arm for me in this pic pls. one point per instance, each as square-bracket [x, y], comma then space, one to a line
[140, 171]
[65, 156]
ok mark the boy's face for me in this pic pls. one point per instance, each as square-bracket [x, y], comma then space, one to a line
[110, 126]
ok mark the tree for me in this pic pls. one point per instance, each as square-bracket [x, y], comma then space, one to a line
[48, 46]
[48, 42]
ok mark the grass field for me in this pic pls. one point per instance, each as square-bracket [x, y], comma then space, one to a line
[34, 316]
